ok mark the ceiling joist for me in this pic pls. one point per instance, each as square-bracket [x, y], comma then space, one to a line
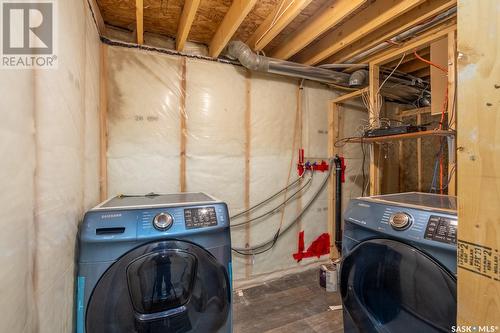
[371, 19]
[185, 22]
[236, 14]
[139, 16]
[406, 21]
[276, 22]
[316, 26]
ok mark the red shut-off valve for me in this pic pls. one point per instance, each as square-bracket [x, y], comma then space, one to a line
[302, 166]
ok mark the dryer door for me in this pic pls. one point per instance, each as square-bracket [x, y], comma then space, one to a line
[168, 286]
[388, 286]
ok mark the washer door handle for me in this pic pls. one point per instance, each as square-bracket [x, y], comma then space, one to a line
[160, 315]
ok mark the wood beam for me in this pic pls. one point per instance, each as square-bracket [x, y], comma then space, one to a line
[348, 96]
[424, 72]
[99, 21]
[235, 15]
[373, 118]
[139, 17]
[185, 22]
[276, 22]
[418, 15]
[452, 110]
[424, 53]
[372, 18]
[413, 66]
[478, 247]
[317, 25]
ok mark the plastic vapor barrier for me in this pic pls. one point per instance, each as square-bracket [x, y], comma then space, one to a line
[231, 133]
[49, 144]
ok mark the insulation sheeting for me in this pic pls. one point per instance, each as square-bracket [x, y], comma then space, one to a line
[66, 127]
[49, 176]
[143, 122]
[241, 134]
[17, 202]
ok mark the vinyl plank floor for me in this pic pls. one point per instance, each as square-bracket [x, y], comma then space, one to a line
[295, 303]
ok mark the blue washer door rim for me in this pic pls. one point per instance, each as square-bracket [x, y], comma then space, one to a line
[388, 286]
[177, 286]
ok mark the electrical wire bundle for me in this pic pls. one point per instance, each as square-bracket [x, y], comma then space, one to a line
[270, 243]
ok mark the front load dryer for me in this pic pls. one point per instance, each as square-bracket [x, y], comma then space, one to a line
[155, 263]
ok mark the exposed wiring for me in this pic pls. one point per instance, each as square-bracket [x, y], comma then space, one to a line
[394, 70]
[269, 244]
[276, 17]
[277, 208]
[268, 199]
[430, 62]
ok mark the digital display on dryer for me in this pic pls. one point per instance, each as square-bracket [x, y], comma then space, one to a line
[200, 217]
[441, 229]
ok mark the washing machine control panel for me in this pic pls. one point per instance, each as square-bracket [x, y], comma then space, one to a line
[163, 221]
[200, 217]
[441, 229]
[400, 220]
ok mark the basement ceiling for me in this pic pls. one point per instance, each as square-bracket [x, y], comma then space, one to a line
[306, 31]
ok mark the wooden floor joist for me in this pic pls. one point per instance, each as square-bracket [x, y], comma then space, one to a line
[237, 12]
[372, 18]
[418, 15]
[276, 22]
[187, 18]
[315, 26]
[139, 17]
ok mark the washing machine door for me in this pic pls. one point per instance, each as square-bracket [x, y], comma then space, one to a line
[167, 286]
[388, 286]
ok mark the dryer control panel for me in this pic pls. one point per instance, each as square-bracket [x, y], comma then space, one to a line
[441, 229]
[200, 217]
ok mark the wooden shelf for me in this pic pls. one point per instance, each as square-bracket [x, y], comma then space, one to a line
[406, 136]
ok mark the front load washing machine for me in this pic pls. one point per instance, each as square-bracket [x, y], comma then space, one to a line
[155, 263]
[399, 268]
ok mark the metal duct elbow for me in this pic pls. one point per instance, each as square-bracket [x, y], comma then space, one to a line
[247, 57]
[358, 78]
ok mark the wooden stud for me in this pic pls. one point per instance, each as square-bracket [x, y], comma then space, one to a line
[103, 123]
[299, 92]
[373, 119]
[183, 126]
[346, 97]
[401, 167]
[248, 149]
[452, 109]
[356, 28]
[416, 16]
[185, 22]
[478, 185]
[276, 22]
[139, 16]
[333, 135]
[419, 157]
[316, 26]
[236, 14]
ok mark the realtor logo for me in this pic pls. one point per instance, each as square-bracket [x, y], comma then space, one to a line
[28, 39]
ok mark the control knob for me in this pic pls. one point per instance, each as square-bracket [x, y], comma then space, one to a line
[163, 221]
[400, 220]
